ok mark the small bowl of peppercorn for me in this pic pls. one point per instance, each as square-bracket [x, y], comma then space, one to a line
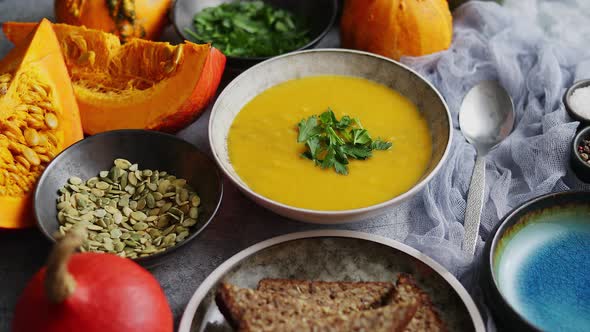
[580, 157]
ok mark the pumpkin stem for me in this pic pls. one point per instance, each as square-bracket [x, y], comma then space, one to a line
[59, 283]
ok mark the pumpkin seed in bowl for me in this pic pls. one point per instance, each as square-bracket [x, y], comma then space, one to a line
[127, 211]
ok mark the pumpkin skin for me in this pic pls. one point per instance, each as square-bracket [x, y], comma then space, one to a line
[148, 21]
[179, 81]
[36, 61]
[396, 28]
[111, 294]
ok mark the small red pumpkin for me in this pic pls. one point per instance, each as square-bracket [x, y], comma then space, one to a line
[91, 292]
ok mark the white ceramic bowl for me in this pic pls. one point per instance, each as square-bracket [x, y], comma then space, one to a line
[332, 255]
[330, 62]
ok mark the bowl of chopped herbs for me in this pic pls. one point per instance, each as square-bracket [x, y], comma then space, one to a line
[248, 32]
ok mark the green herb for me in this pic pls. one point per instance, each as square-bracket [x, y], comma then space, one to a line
[249, 29]
[331, 143]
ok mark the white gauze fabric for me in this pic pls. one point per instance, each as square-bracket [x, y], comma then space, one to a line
[536, 49]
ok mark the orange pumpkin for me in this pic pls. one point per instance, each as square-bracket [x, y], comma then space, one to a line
[38, 118]
[140, 84]
[396, 28]
[125, 18]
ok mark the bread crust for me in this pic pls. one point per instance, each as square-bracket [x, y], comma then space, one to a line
[227, 305]
[427, 318]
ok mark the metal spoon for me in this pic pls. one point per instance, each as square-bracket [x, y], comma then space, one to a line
[486, 117]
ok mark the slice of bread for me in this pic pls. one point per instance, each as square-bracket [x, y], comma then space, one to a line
[346, 297]
[236, 303]
[393, 317]
[341, 297]
[257, 310]
[427, 317]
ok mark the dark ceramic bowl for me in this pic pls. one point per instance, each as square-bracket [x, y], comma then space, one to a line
[535, 268]
[580, 167]
[566, 101]
[319, 16]
[149, 149]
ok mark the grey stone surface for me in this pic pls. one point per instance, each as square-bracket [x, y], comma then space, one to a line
[526, 44]
[239, 224]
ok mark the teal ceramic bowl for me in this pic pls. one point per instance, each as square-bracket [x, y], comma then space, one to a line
[536, 269]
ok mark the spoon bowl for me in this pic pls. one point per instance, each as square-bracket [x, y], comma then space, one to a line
[486, 118]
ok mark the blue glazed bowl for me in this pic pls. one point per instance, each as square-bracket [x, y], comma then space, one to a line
[536, 269]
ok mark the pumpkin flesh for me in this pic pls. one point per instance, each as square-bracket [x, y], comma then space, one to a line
[124, 18]
[139, 84]
[38, 118]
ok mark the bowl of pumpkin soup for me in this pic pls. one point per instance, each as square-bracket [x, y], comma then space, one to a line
[330, 135]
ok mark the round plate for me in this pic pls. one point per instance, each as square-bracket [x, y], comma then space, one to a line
[332, 256]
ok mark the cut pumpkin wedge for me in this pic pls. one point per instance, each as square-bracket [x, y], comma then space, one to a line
[38, 119]
[140, 84]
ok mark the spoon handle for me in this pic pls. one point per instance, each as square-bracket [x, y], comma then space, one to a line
[474, 205]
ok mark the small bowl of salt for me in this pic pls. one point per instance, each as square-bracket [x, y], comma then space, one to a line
[577, 101]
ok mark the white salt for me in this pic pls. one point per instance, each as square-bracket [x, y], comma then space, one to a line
[580, 101]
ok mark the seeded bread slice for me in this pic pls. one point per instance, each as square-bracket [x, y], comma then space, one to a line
[426, 317]
[341, 297]
[253, 310]
[236, 303]
[329, 297]
[346, 297]
[393, 317]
